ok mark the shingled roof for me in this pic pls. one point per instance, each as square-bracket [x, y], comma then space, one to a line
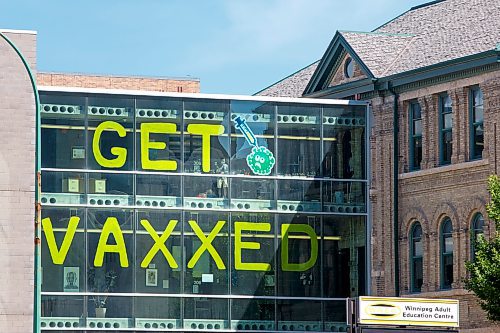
[292, 85]
[424, 35]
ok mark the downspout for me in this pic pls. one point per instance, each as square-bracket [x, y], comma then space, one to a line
[37, 217]
[395, 209]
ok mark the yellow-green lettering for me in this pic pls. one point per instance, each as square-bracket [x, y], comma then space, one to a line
[240, 245]
[206, 131]
[58, 256]
[286, 229]
[146, 145]
[120, 153]
[206, 244]
[111, 226]
[159, 244]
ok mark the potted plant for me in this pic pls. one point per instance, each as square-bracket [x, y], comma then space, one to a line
[101, 282]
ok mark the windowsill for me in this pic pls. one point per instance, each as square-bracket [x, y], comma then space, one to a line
[444, 168]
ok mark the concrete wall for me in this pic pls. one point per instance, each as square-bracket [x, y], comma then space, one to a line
[17, 184]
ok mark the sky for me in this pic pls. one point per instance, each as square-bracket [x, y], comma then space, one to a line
[232, 46]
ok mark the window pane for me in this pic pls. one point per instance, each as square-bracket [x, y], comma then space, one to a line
[417, 127]
[448, 120]
[206, 273]
[343, 142]
[259, 118]
[158, 191]
[62, 311]
[447, 271]
[201, 312]
[416, 111]
[158, 276]
[299, 146]
[252, 194]
[348, 197]
[447, 146]
[158, 111]
[63, 131]
[157, 312]
[68, 276]
[418, 274]
[112, 144]
[294, 195]
[110, 274]
[343, 259]
[418, 248]
[300, 283]
[206, 192]
[478, 140]
[296, 315]
[213, 114]
[256, 282]
[252, 314]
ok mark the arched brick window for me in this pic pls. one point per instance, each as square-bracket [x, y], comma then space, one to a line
[416, 260]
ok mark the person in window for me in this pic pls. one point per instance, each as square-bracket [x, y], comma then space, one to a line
[222, 185]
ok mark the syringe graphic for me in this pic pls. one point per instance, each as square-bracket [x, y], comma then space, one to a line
[241, 124]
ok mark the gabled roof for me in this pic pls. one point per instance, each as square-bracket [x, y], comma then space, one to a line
[380, 52]
[446, 30]
[292, 85]
[426, 35]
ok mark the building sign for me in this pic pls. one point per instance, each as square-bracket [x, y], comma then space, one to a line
[242, 231]
[407, 311]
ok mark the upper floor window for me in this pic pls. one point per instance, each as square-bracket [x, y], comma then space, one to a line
[349, 68]
[477, 231]
[477, 128]
[416, 254]
[446, 126]
[415, 136]
[446, 254]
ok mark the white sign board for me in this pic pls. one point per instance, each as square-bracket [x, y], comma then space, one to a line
[407, 311]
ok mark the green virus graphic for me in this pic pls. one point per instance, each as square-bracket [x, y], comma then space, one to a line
[261, 161]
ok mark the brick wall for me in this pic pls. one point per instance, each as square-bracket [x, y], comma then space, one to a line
[17, 184]
[457, 191]
[119, 82]
[340, 78]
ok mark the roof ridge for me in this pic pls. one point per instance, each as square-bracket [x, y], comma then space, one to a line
[426, 4]
[379, 33]
[287, 77]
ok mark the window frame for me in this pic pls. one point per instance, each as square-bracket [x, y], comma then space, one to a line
[413, 137]
[414, 258]
[474, 232]
[442, 130]
[472, 123]
[443, 255]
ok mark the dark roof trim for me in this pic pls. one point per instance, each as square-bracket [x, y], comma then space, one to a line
[421, 74]
[283, 79]
[426, 4]
[444, 68]
[348, 89]
[325, 67]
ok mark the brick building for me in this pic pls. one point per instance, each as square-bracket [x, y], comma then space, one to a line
[432, 76]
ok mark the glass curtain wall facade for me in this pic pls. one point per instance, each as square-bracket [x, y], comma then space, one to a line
[182, 213]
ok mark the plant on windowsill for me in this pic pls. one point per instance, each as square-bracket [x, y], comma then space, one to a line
[101, 282]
